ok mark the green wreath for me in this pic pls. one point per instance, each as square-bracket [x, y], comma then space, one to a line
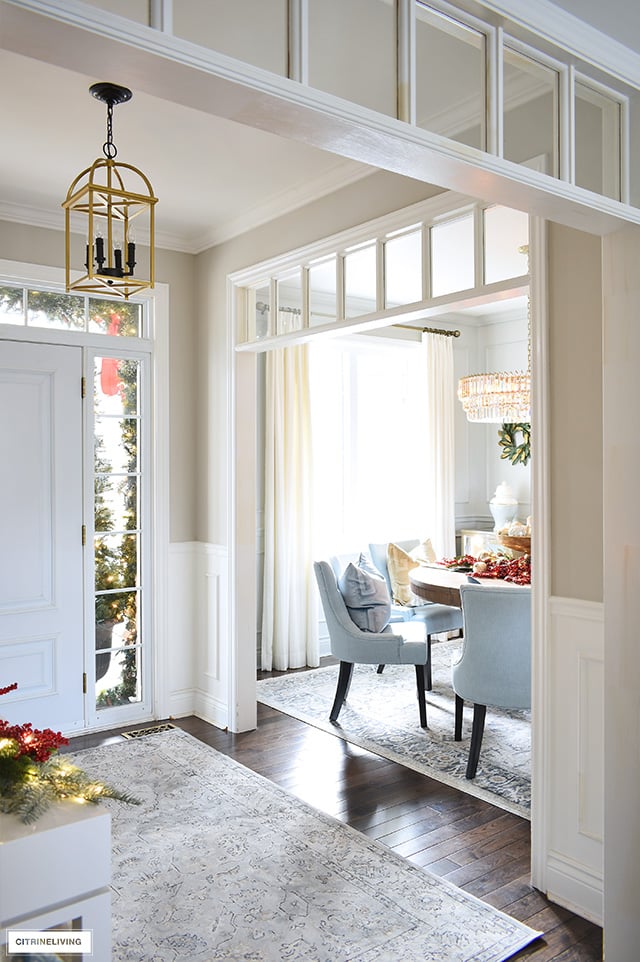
[511, 450]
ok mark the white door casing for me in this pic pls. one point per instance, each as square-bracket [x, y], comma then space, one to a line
[41, 575]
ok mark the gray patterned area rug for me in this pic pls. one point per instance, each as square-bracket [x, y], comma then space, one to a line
[381, 715]
[218, 863]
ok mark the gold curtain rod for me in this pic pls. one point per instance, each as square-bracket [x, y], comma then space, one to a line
[437, 330]
[428, 330]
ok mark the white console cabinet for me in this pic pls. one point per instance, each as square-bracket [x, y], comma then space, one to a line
[55, 874]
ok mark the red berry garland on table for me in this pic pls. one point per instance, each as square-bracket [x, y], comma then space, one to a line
[515, 570]
[32, 777]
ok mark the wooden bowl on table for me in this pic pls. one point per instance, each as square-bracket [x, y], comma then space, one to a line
[515, 543]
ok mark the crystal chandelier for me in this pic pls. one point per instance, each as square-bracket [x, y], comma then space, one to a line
[111, 196]
[502, 398]
[496, 398]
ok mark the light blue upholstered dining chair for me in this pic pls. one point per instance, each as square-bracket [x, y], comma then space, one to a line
[495, 666]
[436, 618]
[401, 644]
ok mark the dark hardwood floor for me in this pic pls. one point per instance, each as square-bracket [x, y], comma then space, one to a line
[480, 848]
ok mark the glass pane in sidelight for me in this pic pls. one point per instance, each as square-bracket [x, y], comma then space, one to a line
[597, 126]
[403, 269]
[118, 672]
[11, 305]
[360, 281]
[343, 36]
[452, 256]
[116, 445]
[322, 292]
[116, 386]
[506, 232]
[530, 111]
[115, 318]
[62, 312]
[450, 72]
[115, 502]
[116, 557]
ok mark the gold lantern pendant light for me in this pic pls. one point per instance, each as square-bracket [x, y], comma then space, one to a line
[503, 397]
[110, 196]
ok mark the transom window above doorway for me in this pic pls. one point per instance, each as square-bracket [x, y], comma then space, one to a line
[427, 256]
[53, 310]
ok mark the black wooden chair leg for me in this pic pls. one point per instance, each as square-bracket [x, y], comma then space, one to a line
[429, 681]
[342, 690]
[477, 731]
[457, 736]
[380, 669]
[422, 704]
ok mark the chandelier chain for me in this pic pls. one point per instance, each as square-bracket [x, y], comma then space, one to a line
[109, 148]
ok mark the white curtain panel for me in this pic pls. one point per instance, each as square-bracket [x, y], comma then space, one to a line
[438, 418]
[289, 616]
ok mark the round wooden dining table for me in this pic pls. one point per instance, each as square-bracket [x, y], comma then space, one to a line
[442, 586]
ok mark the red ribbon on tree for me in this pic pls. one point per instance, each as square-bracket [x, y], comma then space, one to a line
[109, 377]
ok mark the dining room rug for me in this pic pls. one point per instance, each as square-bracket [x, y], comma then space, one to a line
[381, 715]
[218, 863]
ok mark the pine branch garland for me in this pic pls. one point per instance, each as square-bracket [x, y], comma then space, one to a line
[33, 776]
[38, 786]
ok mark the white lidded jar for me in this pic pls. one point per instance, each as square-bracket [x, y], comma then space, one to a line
[503, 506]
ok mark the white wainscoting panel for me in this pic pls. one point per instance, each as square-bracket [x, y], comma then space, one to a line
[574, 870]
[212, 636]
[181, 640]
[198, 636]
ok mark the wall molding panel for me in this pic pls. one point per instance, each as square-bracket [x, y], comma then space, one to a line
[197, 632]
[574, 875]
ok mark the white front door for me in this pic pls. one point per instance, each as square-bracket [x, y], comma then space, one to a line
[41, 505]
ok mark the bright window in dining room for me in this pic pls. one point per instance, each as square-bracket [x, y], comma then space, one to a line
[367, 456]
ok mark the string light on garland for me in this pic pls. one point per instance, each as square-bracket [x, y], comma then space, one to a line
[32, 776]
[106, 199]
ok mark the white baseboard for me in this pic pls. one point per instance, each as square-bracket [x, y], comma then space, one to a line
[182, 703]
[211, 709]
[575, 886]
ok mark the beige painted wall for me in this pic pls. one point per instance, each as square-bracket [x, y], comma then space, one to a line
[33, 245]
[379, 194]
[575, 400]
[622, 595]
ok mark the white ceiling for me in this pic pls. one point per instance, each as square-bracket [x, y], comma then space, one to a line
[215, 178]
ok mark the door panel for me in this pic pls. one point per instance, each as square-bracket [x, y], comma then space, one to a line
[41, 586]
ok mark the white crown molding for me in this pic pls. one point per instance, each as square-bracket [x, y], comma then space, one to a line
[341, 175]
[563, 29]
[49, 219]
[285, 202]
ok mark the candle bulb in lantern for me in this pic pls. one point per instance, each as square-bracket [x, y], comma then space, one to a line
[99, 251]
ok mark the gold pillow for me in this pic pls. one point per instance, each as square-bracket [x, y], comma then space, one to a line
[400, 563]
